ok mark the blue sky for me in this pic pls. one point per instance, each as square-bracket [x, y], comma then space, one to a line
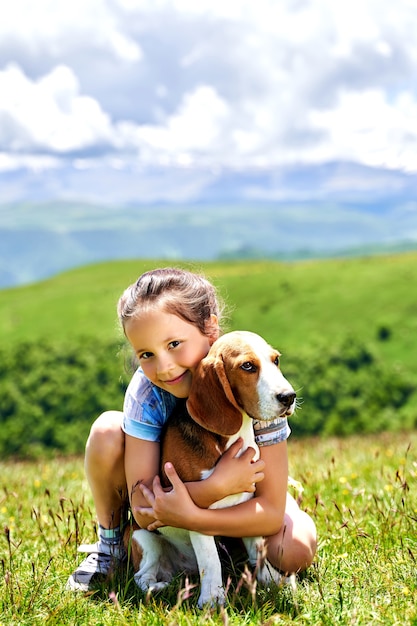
[164, 100]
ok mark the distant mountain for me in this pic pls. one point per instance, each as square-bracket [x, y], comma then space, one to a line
[40, 240]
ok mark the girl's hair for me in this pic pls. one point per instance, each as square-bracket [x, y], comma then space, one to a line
[179, 292]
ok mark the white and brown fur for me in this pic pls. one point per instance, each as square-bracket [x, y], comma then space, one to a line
[238, 382]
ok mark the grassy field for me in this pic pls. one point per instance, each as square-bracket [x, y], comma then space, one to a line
[360, 491]
[291, 305]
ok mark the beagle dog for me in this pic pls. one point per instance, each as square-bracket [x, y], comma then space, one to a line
[238, 384]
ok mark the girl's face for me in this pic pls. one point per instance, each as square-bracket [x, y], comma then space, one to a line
[169, 349]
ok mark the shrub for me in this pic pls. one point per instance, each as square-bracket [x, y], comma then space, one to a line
[51, 392]
[350, 390]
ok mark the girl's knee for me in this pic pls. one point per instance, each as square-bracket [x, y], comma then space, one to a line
[294, 548]
[106, 436]
[304, 551]
[305, 541]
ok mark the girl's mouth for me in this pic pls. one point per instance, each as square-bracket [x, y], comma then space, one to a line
[175, 381]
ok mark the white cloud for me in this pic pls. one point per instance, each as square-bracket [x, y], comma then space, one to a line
[365, 127]
[195, 129]
[49, 115]
[55, 26]
[213, 84]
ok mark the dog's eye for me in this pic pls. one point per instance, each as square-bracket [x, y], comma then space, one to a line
[276, 361]
[248, 367]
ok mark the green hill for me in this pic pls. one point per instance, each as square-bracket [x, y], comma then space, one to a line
[347, 330]
[292, 304]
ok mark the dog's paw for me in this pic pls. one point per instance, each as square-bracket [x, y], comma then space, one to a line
[211, 597]
[150, 584]
[158, 586]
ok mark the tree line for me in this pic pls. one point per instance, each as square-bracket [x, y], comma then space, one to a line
[51, 391]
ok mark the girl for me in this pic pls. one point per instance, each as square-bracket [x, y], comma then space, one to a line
[171, 318]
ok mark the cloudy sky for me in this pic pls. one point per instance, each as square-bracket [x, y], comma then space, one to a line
[160, 100]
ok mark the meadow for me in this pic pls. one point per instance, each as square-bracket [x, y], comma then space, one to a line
[348, 333]
[360, 491]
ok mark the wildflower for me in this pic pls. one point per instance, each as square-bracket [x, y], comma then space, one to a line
[295, 484]
[113, 597]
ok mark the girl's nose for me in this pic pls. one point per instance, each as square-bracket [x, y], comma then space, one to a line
[164, 364]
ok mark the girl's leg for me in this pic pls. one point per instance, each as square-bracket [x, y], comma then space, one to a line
[104, 468]
[293, 548]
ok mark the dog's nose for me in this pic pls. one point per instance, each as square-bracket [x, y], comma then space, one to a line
[287, 398]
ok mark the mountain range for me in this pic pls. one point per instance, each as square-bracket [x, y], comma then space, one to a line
[42, 239]
[325, 211]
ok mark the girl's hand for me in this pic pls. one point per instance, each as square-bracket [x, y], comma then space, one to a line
[168, 508]
[235, 474]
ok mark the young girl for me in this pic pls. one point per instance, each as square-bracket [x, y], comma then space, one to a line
[171, 318]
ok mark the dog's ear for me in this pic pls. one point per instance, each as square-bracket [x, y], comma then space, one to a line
[211, 402]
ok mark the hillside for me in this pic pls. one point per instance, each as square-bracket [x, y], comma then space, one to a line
[292, 304]
[347, 330]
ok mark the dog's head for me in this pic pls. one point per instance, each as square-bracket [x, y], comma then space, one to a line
[240, 374]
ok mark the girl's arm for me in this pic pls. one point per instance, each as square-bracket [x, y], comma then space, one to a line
[262, 515]
[141, 466]
[232, 475]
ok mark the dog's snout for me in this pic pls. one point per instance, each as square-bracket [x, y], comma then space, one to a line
[287, 398]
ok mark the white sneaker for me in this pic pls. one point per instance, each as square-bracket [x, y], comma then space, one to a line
[101, 557]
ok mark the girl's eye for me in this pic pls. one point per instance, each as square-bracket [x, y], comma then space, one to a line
[145, 355]
[248, 367]
[174, 344]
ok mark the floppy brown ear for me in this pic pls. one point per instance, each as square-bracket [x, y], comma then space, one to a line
[211, 402]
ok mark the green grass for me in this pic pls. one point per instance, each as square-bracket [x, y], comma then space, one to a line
[316, 303]
[360, 491]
